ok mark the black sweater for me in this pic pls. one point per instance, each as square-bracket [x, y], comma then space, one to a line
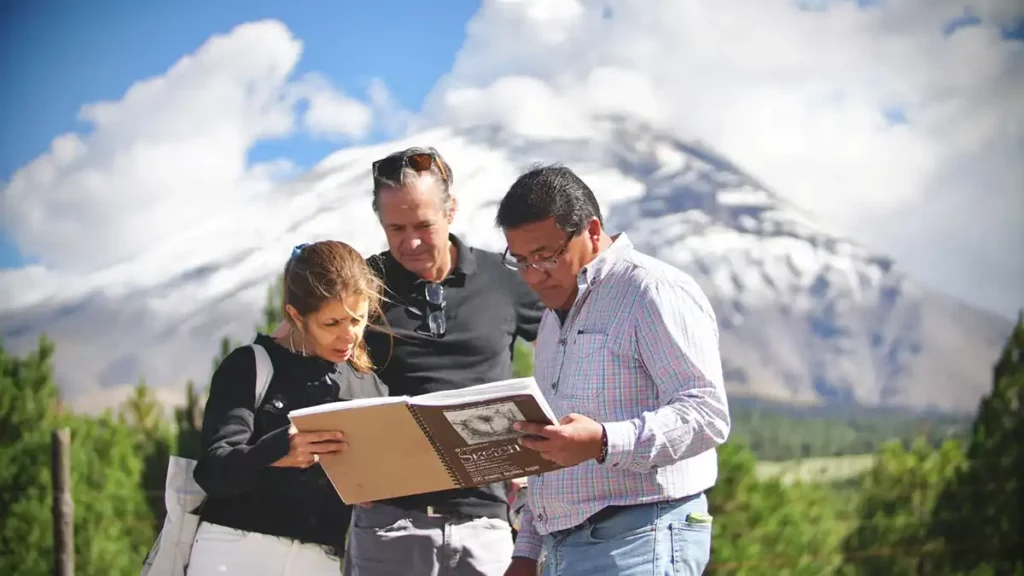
[240, 444]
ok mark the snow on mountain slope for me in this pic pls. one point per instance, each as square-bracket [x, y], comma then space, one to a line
[806, 316]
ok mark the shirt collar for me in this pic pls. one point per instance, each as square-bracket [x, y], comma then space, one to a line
[465, 259]
[465, 264]
[604, 262]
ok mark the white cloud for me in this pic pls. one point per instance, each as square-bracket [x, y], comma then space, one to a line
[333, 113]
[170, 154]
[393, 118]
[797, 97]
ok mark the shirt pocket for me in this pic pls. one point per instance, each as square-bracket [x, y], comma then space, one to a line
[583, 369]
[587, 343]
[598, 378]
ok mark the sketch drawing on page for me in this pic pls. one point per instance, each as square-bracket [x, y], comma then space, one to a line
[485, 423]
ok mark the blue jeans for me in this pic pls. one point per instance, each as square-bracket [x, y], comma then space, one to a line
[650, 539]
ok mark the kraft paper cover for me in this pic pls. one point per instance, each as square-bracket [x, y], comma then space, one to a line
[387, 456]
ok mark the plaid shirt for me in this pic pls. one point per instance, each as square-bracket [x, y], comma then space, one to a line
[638, 353]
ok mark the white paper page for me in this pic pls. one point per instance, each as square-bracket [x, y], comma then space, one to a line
[347, 405]
[487, 391]
[477, 392]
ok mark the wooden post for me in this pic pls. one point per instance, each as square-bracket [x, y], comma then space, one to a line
[63, 506]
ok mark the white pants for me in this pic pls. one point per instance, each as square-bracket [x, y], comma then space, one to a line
[226, 551]
[389, 541]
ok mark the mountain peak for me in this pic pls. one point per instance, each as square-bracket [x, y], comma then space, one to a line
[805, 315]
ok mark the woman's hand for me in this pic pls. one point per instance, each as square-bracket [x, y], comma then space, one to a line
[305, 448]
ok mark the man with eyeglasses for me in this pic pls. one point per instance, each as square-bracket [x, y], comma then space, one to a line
[454, 312]
[628, 353]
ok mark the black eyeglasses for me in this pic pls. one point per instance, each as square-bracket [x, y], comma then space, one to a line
[436, 320]
[544, 264]
[389, 169]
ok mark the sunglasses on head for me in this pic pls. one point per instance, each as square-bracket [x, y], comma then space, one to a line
[389, 169]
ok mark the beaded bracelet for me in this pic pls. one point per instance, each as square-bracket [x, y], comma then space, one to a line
[604, 445]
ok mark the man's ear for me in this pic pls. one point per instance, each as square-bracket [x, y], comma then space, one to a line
[594, 233]
[453, 205]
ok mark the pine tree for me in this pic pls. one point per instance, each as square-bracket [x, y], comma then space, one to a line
[114, 526]
[763, 526]
[980, 518]
[116, 519]
[273, 311]
[28, 398]
[896, 501]
[142, 410]
[189, 419]
[143, 413]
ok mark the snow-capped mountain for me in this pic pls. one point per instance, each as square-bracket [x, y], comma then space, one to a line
[805, 315]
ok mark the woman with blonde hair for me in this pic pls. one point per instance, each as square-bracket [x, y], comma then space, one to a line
[271, 510]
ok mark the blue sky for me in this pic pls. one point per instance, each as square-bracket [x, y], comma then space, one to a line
[57, 56]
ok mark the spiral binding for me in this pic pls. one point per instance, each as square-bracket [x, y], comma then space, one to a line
[444, 459]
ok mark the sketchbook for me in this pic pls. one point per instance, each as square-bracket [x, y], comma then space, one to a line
[404, 445]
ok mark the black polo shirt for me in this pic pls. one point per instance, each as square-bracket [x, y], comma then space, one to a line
[487, 306]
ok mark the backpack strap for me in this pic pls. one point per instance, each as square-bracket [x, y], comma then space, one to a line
[264, 372]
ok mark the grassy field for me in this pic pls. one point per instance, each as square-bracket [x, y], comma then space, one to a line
[829, 469]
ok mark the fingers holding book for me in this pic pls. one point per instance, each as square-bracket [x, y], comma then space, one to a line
[574, 439]
[305, 448]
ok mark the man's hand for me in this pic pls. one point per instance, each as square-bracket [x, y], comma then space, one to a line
[305, 448]
[575, 439]
[522, 567]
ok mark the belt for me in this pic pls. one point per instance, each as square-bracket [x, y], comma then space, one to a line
[610, 511]
[605, 513]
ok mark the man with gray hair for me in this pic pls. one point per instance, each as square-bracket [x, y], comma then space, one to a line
[455, 312]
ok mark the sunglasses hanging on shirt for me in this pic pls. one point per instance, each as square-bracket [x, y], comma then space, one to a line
[436, 320]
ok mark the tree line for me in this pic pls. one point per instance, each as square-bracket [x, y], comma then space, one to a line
[942, 499]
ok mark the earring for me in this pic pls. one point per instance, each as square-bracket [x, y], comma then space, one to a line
[291, 343]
